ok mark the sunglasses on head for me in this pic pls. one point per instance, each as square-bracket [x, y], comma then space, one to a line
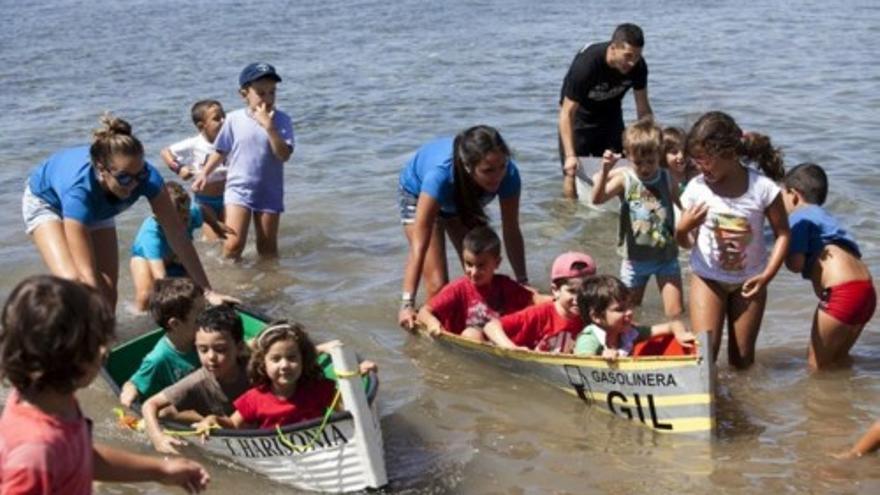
[124, 178]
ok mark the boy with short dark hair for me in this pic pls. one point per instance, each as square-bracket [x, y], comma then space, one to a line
[604, 301]
[175, 303]
[550, 326]
[464, 306]
[207, 393]
[824, 252]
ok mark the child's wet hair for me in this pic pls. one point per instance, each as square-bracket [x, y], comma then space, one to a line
[52, 329]
[114, 137]
[598, 292]
[199, 110]
[482, 239]
[173, 297]
[673, 141]
[810, 180]
[179, 197]
[275, 332]
[222, 318]
[717, 134]
[643, 139]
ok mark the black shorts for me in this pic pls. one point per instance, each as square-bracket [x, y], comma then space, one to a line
[594, 141]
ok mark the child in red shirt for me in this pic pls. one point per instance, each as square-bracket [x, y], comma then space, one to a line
[464, 306]
[289, 386]
[55, 336]
[550, 326]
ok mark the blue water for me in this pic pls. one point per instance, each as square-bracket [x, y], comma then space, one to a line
[367, 82]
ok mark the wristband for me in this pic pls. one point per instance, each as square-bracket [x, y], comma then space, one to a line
[524, 280]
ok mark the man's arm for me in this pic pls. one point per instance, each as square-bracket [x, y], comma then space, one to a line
[566, 135]
[643, 106]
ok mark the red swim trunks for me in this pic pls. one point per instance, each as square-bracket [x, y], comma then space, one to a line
[852, 303]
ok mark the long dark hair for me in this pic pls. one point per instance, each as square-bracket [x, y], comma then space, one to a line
[277, 331]
[469, 149]
[716, 134]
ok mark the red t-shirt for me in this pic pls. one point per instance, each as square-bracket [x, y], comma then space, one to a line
[43, 454]
[261, 407]
[462, 304]
[541, 328]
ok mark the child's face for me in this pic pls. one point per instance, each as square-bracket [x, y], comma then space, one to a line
[212, 123]
[616, 318]
[218, 352]
[260, 92]
[713, 167]
[480, 268]
[675, 160]
[283, 364]
[789, 199]
[188, 325]
[565, 296]
[645, 166]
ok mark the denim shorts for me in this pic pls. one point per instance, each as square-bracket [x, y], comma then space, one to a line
[636, 273]
[36, 211]
[406, 202]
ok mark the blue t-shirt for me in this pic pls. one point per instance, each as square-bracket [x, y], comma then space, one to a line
[68, 183]
[150, 241]
[430, 172]
[813, 228]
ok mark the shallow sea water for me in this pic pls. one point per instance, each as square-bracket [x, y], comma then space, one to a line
[366, 83]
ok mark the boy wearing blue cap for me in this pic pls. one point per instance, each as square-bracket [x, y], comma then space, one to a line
[255, 141]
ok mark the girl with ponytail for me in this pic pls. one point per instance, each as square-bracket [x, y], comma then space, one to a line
[723, 225]
[443, 190]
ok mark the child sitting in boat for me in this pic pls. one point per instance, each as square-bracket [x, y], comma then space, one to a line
[175, 303]
[647, 193]
[549, 326]
[186, 158]
[204, 396]
[288, 385]
[56, 334]
[680, 169]
[152, 257]
[464, 306]
[827, 254]
[604, 301]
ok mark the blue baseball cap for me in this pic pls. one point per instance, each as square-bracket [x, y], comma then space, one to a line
[257, 70]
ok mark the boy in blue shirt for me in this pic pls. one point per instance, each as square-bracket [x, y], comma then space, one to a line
[824, 252]
[152, 257]
[175, 304]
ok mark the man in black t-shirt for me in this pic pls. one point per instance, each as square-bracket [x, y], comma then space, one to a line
[590, 114]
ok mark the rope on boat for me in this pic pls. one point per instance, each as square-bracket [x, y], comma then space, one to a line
[134, 423]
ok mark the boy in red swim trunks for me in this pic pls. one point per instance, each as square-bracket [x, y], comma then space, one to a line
[828, 255]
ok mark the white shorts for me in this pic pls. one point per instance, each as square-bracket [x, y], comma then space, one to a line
[37, 211]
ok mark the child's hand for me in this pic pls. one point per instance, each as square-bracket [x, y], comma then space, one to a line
[367, 366]
[199, 181]
[187, 474]
[217, 299]
[203, 428]
[165, 444]
[609, 354]
[753, 286]
[185, 173]
[694, 216]
[406, 317]
[847, 454]
[684, 336]
[609, 160]
[263, 116]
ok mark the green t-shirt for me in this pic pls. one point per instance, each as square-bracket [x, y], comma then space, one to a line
[591, 341]
[163, 366]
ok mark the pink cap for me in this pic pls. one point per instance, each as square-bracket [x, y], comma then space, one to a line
[563, 267]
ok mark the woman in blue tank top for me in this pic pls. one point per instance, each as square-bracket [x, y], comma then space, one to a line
[70, 202]
[443, 190]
